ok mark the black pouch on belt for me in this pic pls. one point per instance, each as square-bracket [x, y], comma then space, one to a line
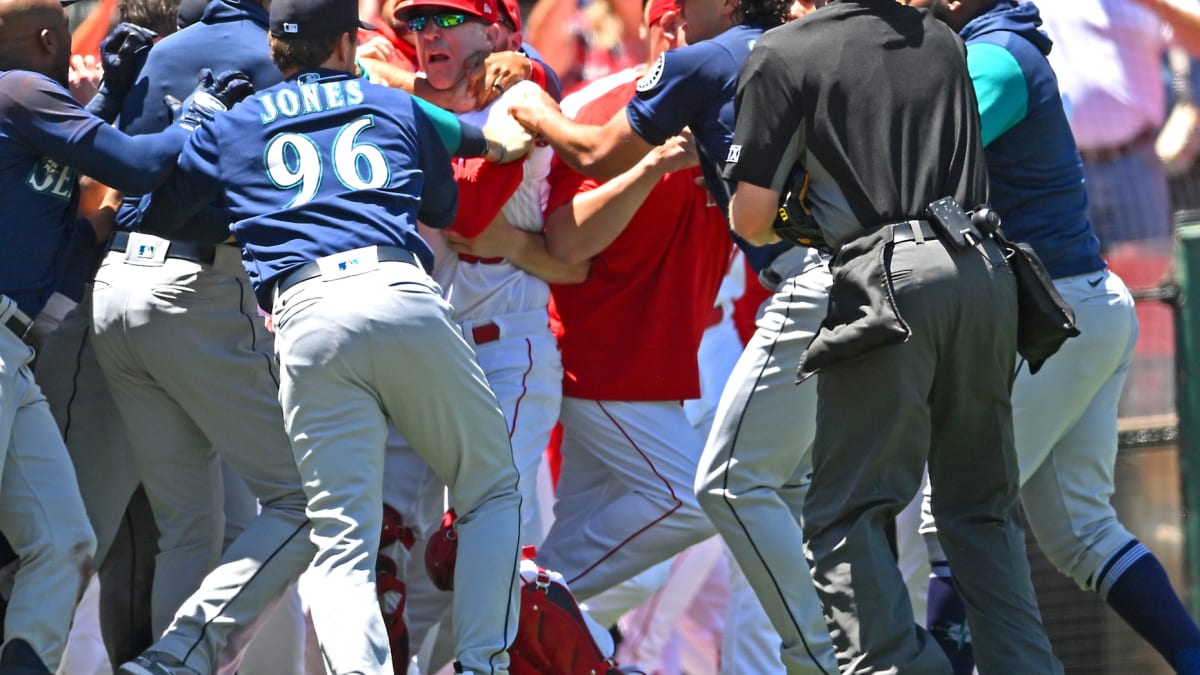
[862, 311]
[1044, 320]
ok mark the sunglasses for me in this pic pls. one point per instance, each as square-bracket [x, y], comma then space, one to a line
[417, 23]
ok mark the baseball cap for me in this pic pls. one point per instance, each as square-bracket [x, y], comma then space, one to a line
[484, 9]
[511, 10]
[314, 18]
[658, 8]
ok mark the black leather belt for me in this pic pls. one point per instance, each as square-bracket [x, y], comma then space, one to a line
[311, 270]
[197, 253]
[907, 231]
[18, 324]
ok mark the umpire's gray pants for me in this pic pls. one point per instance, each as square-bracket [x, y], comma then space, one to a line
[358, 351]
[943, 395]
[192, 370]
[755, 469]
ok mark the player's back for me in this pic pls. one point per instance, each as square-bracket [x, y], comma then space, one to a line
[231, 35]
[324, 163]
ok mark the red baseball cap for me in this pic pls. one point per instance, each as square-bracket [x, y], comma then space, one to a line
[512, 10]
[658, 8]
[484, 9]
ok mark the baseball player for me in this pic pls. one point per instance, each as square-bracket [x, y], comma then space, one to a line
[47, 137]
[174, 324]
[752, 459]
[390, 57]
[323, 177]
[626, 440]
[499, 296]
[1065, 416]
[499, 302]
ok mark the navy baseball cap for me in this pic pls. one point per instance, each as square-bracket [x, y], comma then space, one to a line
[315, 18]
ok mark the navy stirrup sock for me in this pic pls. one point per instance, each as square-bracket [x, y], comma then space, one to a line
[1135, 584]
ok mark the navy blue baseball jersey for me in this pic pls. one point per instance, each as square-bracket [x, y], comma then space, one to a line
[321, 163]
[45, 139]
[231, 34]
[693, 87]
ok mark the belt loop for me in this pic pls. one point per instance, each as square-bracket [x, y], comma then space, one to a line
[918, 234]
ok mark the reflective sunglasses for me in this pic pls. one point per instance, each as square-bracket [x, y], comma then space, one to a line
[417, 23]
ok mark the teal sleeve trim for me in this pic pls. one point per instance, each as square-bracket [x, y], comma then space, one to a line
[447, 125]
[999, 86]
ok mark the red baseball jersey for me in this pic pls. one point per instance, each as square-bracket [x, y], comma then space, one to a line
[632, 330]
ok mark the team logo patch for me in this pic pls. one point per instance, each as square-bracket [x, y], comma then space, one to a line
[735, 153]
[651, 78]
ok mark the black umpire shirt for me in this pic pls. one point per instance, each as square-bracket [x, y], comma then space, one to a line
[873, 97]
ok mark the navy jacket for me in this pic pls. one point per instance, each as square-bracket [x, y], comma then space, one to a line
[1035, 172]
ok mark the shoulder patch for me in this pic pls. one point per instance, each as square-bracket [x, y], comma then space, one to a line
[652, 76]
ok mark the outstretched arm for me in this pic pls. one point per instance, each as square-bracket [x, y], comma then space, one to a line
[599, 152]
[583, 227]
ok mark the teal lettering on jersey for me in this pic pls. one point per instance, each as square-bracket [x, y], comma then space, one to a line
[51, 178]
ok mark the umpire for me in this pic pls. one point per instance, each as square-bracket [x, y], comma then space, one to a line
[916, 353]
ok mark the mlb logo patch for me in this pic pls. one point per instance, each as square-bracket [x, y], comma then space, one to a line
[735, 153]
[291, 27]
[145, 251]
[348, 263]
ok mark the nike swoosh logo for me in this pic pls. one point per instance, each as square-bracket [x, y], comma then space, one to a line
[1095, 283]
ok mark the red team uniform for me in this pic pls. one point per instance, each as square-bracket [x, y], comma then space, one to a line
[629, 337]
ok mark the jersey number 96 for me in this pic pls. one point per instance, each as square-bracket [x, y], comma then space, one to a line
[294, 160]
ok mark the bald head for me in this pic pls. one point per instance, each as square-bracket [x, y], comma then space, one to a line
[34, 36]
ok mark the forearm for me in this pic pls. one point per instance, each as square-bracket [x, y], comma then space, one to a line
[103, 218]
[586, 148]
[582, 228]
[130, 164]
[752, 213]
[531, 255]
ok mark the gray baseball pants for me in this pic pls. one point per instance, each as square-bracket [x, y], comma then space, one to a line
[756, 466]
[356, 352]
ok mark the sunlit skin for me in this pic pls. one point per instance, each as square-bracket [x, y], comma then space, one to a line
[441, 52]
[34, 36]
[706, 19]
